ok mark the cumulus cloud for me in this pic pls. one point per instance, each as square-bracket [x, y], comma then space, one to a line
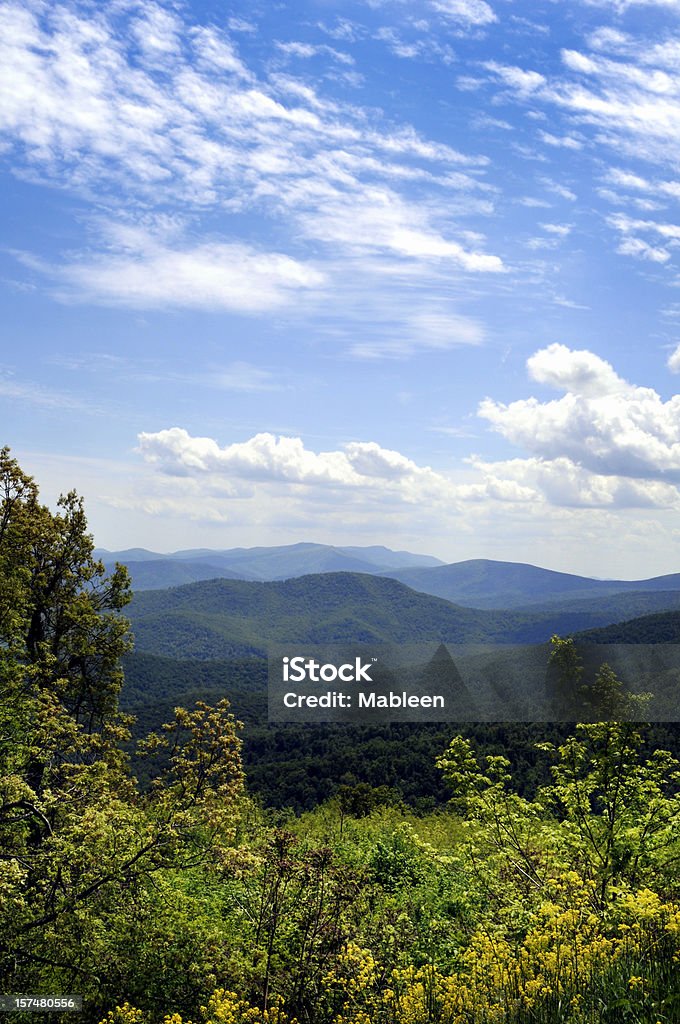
[602, 425]
[271, 459]
[578, 371]
[564, 483]
[604, 444]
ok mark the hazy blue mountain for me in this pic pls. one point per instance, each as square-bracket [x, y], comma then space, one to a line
[617, 607]
[258, 563]
[295, 560]
[128, 555]
[385, 558]
[481, 583]
[158, 573]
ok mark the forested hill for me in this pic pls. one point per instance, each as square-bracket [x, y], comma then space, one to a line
[234, 618]
[662, 628]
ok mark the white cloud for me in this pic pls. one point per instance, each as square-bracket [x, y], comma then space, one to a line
[469, 12]
[624, 223]
[634, 182]
[620, 6]
[602, 425]
[240, 376]
[209, 276]
[673, 361]
[564, 483]
[629, 103]
[632, 245]
[561, 230]
[156, 30]
[524, 82]
[426, 329]
[183, 124]
[305, 51]
[578, 371]
[266, 458]
[640, 249]
[380, 219]
[425, 47]
[605, 444]
[561, 141]
[215, 50]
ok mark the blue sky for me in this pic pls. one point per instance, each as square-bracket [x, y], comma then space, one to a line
[358, 272]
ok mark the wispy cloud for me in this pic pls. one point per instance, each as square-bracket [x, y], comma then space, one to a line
[34, 394]
[620, 6]
[633, 245]
[306, 51]
[136, 100]
[468, 12]
[153, 274]
[620, 95]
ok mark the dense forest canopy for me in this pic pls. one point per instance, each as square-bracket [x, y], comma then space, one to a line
[184, 900]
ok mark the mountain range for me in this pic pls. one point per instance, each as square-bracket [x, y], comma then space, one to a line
[222, 618]
[151, 570]
[207, 638]
[474, 583]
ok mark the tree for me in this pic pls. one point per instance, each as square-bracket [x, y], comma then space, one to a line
[79, 844]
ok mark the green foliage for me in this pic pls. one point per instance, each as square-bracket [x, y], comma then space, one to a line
[661, 628]
[608, 814]
[79, 846]
[619, 813]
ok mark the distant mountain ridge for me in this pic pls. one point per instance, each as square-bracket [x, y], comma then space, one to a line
[474, 583]
[482, 583]
[152, 571]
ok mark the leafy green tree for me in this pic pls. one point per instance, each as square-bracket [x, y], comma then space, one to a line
[79, 845]
[565, 672]
[619, 811]
[610, 813]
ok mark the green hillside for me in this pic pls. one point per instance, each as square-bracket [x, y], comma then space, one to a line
[662, 628]
[235, 618]
[229, 618]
